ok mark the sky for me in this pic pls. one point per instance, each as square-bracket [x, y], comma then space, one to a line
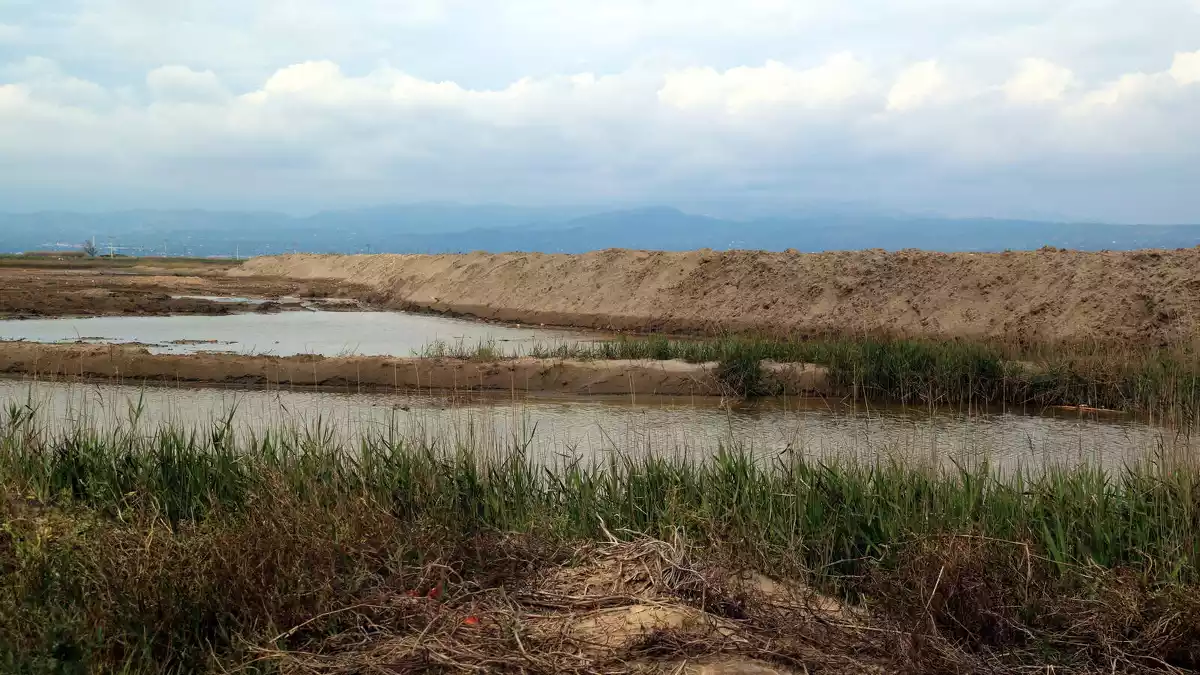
[1067, 109]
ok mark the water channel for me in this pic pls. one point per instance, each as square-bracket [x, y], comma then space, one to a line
[593, 427]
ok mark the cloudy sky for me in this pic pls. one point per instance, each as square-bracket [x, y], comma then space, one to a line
[1061, 108]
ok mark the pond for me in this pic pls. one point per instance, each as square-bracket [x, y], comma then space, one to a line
[328, 333]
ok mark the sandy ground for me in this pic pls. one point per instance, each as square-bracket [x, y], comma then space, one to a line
[1148, 297]
[134, 364]
[65, 291]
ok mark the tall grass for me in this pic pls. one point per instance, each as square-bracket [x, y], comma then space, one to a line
[827, 515]
[177, 550]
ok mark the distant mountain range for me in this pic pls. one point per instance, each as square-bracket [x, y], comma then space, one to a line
[446, 228]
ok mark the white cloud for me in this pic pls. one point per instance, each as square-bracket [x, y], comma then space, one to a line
[1186, 68]
[917, 85]
[837, 80]
[1127, 89]
[376, 100]
[313, 77]
[9, 33]
[1038, 81]
[47, 82]
[182, 84]
[593, 112]
[12, 96]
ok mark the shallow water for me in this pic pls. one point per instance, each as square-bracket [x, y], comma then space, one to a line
[339, 333]
[591, 427]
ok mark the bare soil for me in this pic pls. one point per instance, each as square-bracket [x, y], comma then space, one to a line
[37, 289]
[133, 364]
[1047, 296]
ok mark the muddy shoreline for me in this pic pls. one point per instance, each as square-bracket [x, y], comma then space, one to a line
[35, 292]
[133, 364]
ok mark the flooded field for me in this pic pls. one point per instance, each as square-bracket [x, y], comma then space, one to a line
[597, 426]
[336, 333]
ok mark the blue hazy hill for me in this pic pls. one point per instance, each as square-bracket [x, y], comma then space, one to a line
[444, 227]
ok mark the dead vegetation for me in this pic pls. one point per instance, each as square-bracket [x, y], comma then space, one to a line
[623, 606]
[295, 591]
[648, 606]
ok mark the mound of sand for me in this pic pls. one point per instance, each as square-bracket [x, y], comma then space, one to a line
[1032, 296]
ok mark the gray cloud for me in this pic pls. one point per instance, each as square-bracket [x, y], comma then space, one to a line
[998, 108]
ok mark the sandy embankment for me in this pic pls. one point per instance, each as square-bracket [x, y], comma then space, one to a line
[133, 364]
[1146, 297]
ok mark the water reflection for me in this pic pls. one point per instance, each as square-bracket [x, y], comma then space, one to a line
[594, 427]
[287, 333]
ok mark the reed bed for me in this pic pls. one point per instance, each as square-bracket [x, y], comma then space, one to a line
[185, 549]
[1160, 381]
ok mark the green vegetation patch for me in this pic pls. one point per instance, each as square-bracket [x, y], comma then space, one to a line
[1163, 382]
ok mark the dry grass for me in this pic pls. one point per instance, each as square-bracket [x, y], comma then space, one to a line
[297, 589]
[636, 605]
[199, 553]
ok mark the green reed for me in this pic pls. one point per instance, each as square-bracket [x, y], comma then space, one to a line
[1163, 381]
[828, 516]
[156, 549]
